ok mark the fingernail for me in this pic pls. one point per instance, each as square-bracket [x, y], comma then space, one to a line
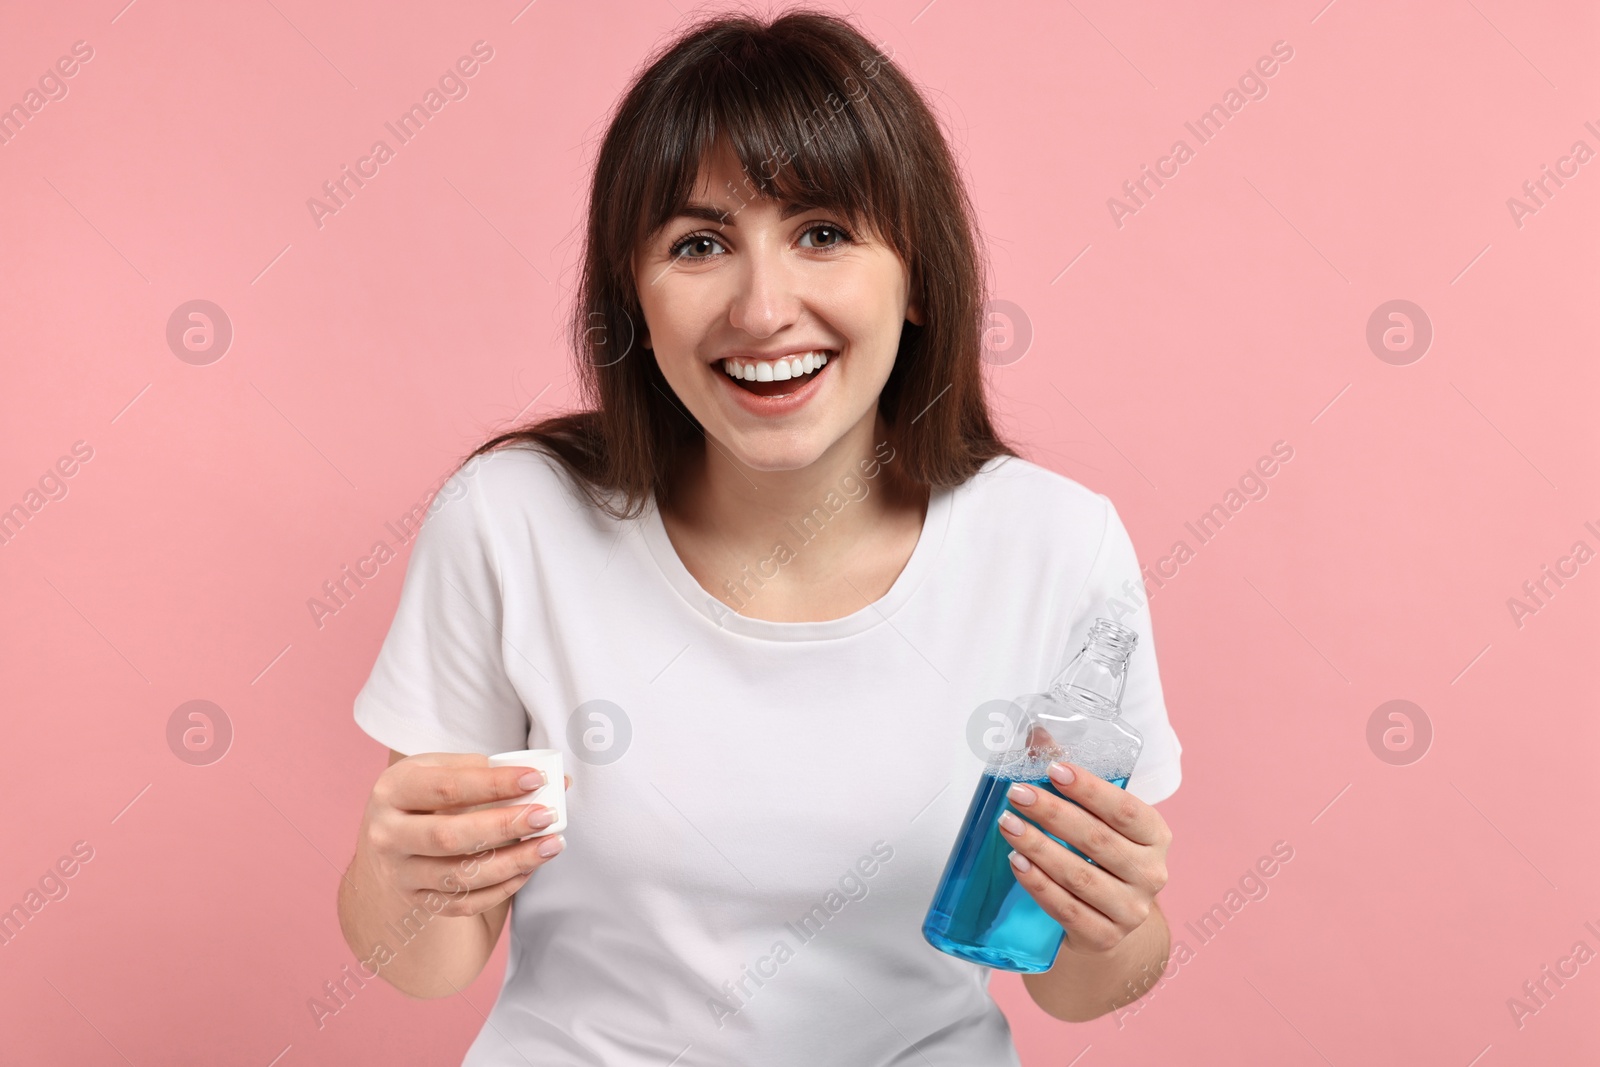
[1061, 773]
[540, 817]
[1019, 861]
[1021, 794]
[552, 846]
[531, 780]
[1010, 823]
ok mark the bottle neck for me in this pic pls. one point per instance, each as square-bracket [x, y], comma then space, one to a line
[1109, 642]
[1092, 682]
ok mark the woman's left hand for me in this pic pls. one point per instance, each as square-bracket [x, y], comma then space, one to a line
[1101, 903]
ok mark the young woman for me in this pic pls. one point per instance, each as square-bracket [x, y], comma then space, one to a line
[761, 593]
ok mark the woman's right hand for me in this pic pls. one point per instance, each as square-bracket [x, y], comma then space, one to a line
[418, 841]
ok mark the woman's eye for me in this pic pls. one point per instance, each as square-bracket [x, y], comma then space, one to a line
[692, 241]
[840, 237]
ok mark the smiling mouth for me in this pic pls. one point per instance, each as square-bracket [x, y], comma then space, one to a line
[779, 377]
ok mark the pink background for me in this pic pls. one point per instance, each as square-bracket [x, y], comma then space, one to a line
[1227, 314]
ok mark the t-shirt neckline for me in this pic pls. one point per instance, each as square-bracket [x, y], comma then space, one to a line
[935, 527]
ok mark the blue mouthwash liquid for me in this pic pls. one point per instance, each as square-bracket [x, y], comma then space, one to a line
[980, 912]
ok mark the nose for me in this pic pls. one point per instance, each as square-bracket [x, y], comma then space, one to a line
[766, 298]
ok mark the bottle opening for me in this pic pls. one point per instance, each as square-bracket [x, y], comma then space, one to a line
[1110, 640]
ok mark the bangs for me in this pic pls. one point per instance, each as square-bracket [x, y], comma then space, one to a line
[804, 128]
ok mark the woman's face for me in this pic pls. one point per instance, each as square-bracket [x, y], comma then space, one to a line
[761, 279]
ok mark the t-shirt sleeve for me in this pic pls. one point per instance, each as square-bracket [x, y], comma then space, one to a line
[1115, 590]
[439, 683]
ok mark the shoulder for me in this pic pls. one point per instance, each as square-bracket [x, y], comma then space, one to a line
[1009, 486]
[506, 490]
[1036, 517]
[509, 479]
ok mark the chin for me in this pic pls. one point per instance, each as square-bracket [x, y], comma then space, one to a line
[777, 452]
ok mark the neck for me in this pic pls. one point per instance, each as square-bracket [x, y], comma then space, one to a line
[821, 511]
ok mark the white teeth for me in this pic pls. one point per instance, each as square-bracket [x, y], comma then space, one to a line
[775, 370]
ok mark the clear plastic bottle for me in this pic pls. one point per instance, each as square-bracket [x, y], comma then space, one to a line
[980, 912]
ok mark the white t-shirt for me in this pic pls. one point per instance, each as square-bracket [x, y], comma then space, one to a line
[760, 811]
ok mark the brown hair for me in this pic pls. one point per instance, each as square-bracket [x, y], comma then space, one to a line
[814, 113]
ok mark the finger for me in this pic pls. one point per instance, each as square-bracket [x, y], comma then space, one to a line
[1115, 806]
[1088, 930]
[1073, 824]
[441, 781]
[463, 833]
[1092, 886]
[476, 901]
[459, 875]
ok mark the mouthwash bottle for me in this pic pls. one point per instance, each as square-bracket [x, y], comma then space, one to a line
[980, 912]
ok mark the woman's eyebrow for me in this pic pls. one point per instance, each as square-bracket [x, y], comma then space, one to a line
[706, 212]
[725, 218]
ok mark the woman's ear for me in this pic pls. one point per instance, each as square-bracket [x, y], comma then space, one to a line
[642, 330]
[914, 312]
